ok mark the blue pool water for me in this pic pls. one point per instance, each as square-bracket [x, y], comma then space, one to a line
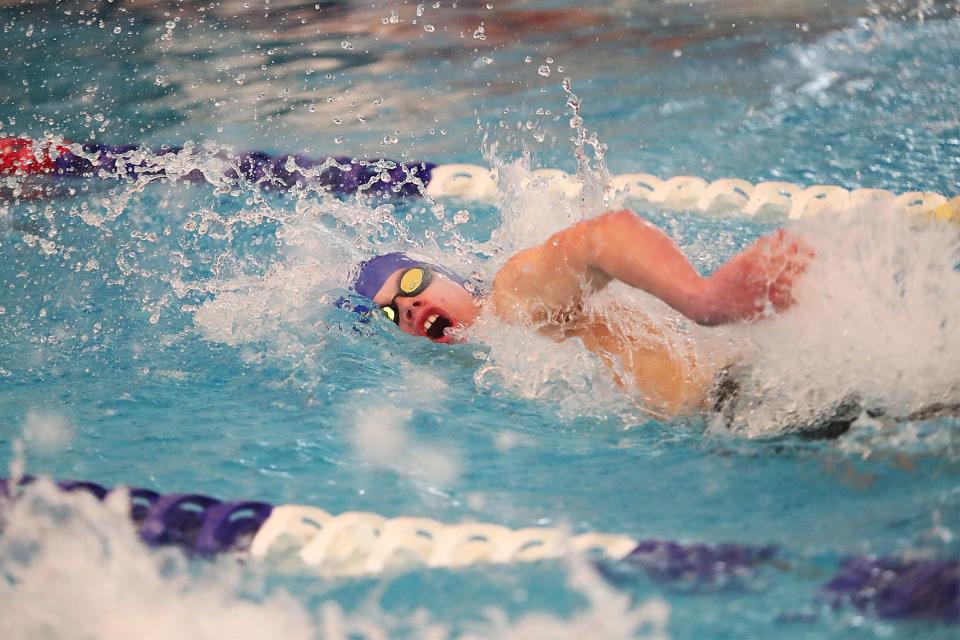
[181, 336]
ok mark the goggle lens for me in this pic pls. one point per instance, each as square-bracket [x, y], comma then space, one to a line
[411, 280]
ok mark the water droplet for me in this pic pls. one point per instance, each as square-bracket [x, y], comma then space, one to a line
[338, 140]
[544, 70]
[677, 53]
[117, 30]
[428, 28]
[346, 45]
[461, 217]
[479, 34]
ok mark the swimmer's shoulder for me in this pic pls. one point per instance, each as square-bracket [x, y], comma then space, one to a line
[544, 282]
[511, 293]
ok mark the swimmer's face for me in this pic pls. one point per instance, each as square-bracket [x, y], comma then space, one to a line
[444, 305]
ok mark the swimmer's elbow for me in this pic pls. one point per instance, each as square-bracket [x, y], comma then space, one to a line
[617, 218]
[608, 230]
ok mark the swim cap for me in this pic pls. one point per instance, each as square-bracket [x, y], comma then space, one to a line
[372, 273]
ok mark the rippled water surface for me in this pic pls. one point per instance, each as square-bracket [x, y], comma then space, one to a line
[182, 337]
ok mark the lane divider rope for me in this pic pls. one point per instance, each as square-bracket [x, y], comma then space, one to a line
[357, 543]
[723, 197]
[20, 157]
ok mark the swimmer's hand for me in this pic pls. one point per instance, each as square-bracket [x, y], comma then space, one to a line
[546, 283]
[755, 283]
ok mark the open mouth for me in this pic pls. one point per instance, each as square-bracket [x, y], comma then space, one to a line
[434, 326]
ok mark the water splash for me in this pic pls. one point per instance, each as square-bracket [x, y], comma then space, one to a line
[876, 320]
[593, 174]
[381, 436]
[570, 380]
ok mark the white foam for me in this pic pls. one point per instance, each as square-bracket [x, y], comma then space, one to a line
[566, 377]
[323, 241]
[47, 431]
[251, 308]
[877, 317]
[380, 438]
[75, 569]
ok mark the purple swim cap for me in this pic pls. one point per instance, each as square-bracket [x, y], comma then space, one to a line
[372, 273]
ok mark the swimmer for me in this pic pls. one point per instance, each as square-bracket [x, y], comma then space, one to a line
[545, 287]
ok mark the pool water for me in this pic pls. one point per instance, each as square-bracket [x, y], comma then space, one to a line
[183, 337]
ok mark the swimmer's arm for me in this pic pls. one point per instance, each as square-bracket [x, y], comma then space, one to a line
[619, 245]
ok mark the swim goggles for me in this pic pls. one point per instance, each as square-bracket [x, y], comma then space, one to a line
[413, 282]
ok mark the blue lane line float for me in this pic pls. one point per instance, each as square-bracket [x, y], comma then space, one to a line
[23, 157]
[897, 588]
[362, 543]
